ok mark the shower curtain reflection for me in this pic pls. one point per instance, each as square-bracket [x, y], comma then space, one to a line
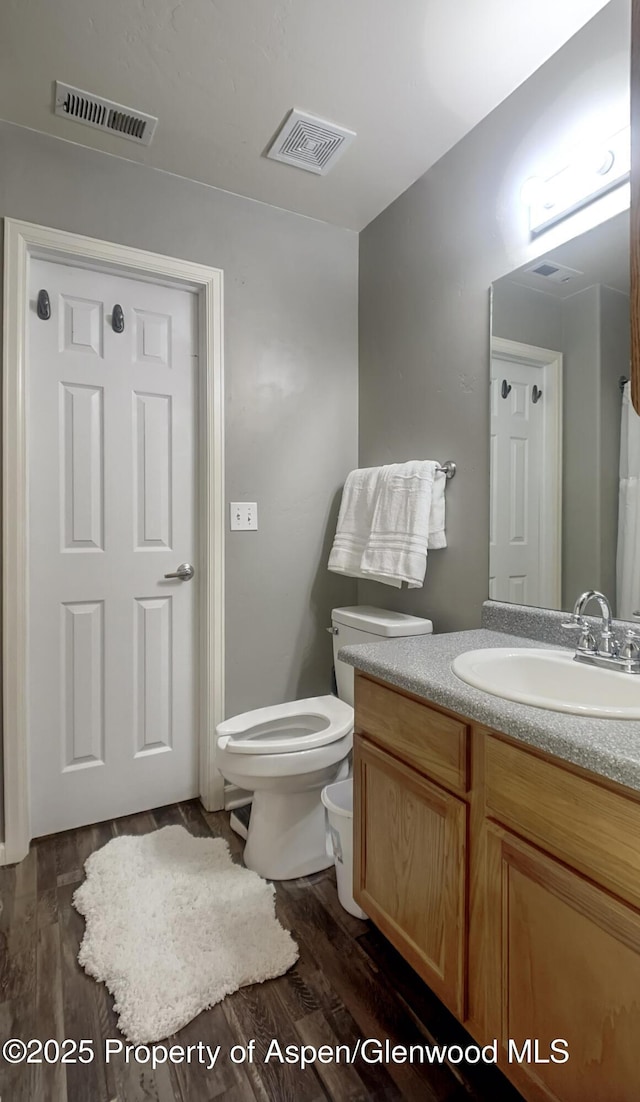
[628, 551]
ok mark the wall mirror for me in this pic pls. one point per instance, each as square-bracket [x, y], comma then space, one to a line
[560, 349]
[565, 333]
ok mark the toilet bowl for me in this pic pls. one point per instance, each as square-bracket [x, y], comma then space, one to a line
[285, 754]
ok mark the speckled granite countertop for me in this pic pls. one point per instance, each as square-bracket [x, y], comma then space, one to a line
[422, 665]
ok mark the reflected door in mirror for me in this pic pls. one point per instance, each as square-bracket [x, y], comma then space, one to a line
[525, 491]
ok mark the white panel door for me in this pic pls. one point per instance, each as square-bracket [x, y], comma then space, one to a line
[112, 488]
[516, 485]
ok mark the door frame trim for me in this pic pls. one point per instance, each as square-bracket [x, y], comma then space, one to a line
[23, 240]
[550, 364]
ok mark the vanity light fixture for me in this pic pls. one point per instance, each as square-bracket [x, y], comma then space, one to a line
[591, 173]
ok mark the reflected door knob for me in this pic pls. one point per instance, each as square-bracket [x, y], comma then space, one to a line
[184, 572]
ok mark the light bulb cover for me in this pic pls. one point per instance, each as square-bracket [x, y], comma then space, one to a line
[591, 172]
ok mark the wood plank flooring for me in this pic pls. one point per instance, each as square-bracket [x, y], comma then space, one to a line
[348, 984]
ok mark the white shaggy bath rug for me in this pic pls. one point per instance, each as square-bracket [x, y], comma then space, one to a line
[172, 926]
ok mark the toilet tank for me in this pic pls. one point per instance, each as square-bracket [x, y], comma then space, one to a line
[366, 624]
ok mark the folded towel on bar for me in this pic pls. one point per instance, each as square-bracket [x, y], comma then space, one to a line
[401, 526]
[389, 517]
[359, 498]
[437, 537]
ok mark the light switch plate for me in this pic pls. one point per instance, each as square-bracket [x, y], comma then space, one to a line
[243, 516]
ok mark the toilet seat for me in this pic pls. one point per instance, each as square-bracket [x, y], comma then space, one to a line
[287, 728]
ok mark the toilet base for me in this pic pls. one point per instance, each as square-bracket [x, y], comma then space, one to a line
[287, 835]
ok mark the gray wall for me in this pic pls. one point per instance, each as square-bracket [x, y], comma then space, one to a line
[290, 286]
[596, 353]
[426, 265]
[581, 565]
[522, 314]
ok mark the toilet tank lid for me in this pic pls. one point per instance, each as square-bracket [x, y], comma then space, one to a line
[381, 621]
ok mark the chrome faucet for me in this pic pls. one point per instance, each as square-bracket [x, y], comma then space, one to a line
[607, 652]
[608, 644]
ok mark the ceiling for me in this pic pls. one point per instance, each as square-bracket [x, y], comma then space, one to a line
[411, 77]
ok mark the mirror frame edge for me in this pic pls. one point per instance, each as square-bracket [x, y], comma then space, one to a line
[635, 205]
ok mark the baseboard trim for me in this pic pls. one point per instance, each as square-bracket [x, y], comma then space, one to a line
[3, 854]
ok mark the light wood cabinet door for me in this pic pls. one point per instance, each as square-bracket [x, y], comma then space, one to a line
[409, 871]
[568, 954]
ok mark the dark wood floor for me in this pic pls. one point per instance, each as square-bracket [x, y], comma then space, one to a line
[347, 984]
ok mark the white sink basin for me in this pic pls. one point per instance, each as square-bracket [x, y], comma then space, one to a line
[551, 679]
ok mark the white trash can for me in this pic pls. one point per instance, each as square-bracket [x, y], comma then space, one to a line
[338, 800]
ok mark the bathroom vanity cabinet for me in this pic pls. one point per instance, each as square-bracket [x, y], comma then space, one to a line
[510, 881]
[411, 827]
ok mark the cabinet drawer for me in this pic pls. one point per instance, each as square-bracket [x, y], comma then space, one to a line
[434, 743]
[592, 828]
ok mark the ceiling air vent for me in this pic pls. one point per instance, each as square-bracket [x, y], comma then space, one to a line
[103, 114]
[310, 143]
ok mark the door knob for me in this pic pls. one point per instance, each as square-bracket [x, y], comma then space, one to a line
[184, 572]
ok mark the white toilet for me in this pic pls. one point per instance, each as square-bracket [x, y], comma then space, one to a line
[285, 754]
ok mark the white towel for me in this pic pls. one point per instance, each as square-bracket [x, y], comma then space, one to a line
[389, 517]
[358, 503]
[437, 536]
[401, 526]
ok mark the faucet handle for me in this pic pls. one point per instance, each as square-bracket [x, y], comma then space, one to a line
[630, 650]
[587, 641]
[574, 621]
